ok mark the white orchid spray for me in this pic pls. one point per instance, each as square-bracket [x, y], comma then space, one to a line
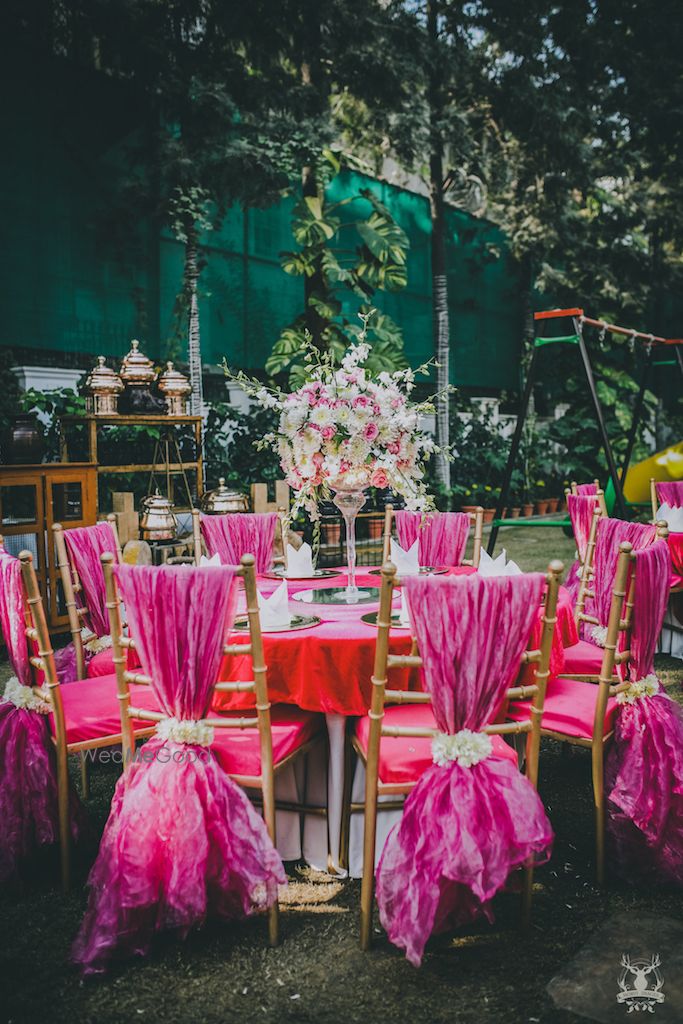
[344, 427]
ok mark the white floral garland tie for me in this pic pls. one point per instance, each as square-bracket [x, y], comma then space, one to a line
[598, 635]
[646, 687]
[26, 698]
[94, 643]
[185, 732]
[467, 748]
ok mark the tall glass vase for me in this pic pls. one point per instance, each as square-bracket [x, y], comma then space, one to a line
[350, 502]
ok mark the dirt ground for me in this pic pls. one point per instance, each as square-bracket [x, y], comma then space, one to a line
[318, 974]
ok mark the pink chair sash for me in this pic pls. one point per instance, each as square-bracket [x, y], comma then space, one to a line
[86, 545]
[182, 841]
[587, 489]
[463, 829]
[670, 492]
[29, 813]
[611, 533]
[241, 533]
[580, 508]
[442, 535]
[644, 770]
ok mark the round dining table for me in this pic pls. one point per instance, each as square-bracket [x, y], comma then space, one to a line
[327, 668]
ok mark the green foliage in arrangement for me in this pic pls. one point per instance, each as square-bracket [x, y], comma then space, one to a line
[343, 260]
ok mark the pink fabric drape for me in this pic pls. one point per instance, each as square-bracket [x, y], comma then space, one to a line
[182, 841]
[463, 829]
[86, 545]
[611, 533]
[442, 535]
[670, 492]
[241, 533]
[580, 508]
[29, 815]
[587, 489]
[644, 770]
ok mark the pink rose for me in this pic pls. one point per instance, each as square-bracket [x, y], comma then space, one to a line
[371, 431]
[379, 479]
[328, 432]
[318, 459]
[394, 448]
[361, 402]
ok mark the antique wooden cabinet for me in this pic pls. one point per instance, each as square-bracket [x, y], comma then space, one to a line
[32, 498]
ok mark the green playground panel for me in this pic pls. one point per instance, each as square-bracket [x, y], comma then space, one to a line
[566, 339]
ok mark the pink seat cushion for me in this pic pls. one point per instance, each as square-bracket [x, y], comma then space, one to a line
[569, 708]
[583, 659]
[101, 664]
[239, 750]
[91, 708]
[404, 759]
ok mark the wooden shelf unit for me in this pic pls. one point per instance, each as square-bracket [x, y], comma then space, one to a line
[93, 422]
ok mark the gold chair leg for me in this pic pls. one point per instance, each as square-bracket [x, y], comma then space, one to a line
[85, 776]
[274, 925]
[599, 798]
[63, 805]
[527, 892]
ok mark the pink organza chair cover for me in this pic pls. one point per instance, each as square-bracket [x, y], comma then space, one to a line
[442, 535]
[241, 533]
[29, 815]
[580, 508]
[463, 829]
[644, 769]
[670, 492]
[182, 841]
[86, 545]
[587, 489]
[611, 533]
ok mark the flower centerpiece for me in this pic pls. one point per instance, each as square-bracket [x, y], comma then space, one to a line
[344, 430]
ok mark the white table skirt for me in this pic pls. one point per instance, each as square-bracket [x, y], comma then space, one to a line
[325, 788]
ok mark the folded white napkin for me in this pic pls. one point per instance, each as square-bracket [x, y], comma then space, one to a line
[672, 516]
[274, 610]
[497, 566]
[299, 563]
[406, 562]
[214, 560]
[403, 614]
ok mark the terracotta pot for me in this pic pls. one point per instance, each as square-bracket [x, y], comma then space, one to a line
[541, 508]
[489, 513]
[527, 510]
[514, 512]
[468, 508]
[332, 533]
[25, 442]
[375, 528]
[553, 504]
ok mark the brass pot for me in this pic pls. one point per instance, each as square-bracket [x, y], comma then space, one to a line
[102, 389]
[136, 368]
[175, 388]
[223, 500]
[158, 521]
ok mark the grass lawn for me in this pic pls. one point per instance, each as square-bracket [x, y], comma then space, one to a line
[318, 974]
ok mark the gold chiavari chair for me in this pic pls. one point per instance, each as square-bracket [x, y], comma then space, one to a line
[71, 585]
[582, 616]
[259, 725]
[281, 537]
[476, 519]
[582, 714]
[382, 696]
[84, 715]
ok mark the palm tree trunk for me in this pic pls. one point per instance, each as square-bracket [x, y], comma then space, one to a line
[441, 325]
[194, 355]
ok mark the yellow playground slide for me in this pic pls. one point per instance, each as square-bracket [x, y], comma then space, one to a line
[664, 465]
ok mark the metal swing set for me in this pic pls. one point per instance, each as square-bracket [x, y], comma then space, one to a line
[658, 352]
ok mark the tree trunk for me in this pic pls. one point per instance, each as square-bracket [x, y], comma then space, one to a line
[440, 320]
[194, 355]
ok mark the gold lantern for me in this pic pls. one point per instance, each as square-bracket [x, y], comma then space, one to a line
[138, 375]
[175, 388]
[102, 388]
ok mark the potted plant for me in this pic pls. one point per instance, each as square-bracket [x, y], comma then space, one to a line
[541, 500]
